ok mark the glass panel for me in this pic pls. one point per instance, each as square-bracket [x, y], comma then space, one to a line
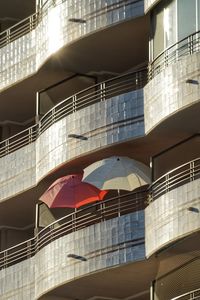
[170, 24]
[186, 18]
[158, 32]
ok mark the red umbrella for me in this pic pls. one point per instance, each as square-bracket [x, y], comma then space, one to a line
[70, 191]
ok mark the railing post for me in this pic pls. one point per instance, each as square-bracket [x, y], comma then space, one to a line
[137, 80]
[103, 91]
[30, 23]
[119, 203]
[150, 71]
[30, 135]
[190, 44]
[7, 147]
[74, 221]
[51, 233]
[191, 170]
[53, 116]
[29, 249]
[74, 100]
[5, 259]
[167, 183]
[37, 118]
[8, 36]
[102, 210]
[166, 58]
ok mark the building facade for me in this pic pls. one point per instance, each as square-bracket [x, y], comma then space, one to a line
[82, 80]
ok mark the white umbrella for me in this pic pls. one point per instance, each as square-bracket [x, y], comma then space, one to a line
[120, 173]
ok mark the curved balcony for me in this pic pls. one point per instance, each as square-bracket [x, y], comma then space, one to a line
[103, 235]
[27, 45]
[105, 114]
[174, 81]
[173, 210]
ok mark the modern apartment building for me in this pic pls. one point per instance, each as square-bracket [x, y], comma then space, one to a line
[80, 81]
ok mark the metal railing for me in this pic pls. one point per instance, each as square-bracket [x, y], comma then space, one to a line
[192, 295]
[96, 213]
[187, 172]
[186, 46]
[18, 30]
[17, 253]
[18, 140]
[97, 93]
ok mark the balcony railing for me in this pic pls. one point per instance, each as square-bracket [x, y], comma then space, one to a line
[96, 213]
[186, 46]
[97, 93]
[185, 173]
[18, 140]
[192, 295]
[18, 30]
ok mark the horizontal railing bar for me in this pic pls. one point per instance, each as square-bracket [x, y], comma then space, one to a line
[18, 24]
[171, 171]
[45, 121]
[185, 173]
[17, 253]
[16, 135]
[174, 52]
[18, 245]
[186, 294]
[174, 45]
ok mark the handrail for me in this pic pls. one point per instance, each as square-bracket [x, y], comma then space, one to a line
[16, 31]
[84, 217]
[183, 174]
[192, 295]
[187, 45]
[18, 140]
[96, 93]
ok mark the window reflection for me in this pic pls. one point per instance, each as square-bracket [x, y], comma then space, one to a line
[171, 21]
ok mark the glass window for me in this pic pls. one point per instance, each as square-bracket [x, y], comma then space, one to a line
[158, 32]
[170, 24]
[186, 18]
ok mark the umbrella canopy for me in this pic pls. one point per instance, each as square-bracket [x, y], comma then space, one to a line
[121, 173]
[70, 191]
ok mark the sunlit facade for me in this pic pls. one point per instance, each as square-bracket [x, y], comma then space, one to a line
[82, 81]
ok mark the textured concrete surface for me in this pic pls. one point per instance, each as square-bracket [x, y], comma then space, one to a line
[167, 218]
[102, 244]
[169, 91]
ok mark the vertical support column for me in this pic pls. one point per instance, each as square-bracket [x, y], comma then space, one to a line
[37, 207]
[152, 289]
[103, 92]
[37, 113]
